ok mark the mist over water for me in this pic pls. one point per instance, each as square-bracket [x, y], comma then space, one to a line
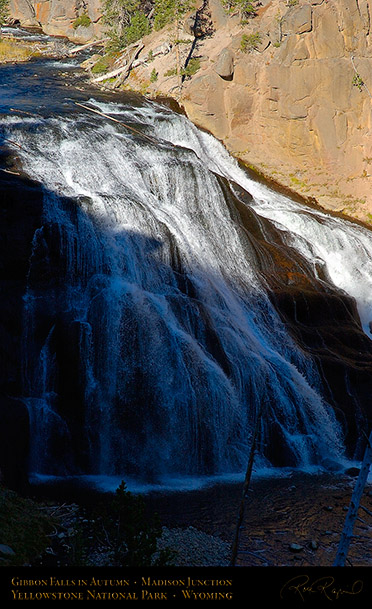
[150, 342]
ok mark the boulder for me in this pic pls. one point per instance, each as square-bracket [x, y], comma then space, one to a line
[353, 472]
[218, 14]
[297, 20]
[189, 24]
[6, 550]
[22, 11]
[225, 64]
[205, 104]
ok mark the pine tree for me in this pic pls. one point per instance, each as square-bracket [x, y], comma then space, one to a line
[4, 6]
[168, 11]
[126, 22]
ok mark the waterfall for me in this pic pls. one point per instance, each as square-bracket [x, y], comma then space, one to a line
[150, 341]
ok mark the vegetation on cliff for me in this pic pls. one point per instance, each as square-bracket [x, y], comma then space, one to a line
[129, 20]
[126, 21]
[284, 84]
[115, 531]
[82, 21]
[168, 11]
[4, 8]
[246, 8]
[24, 529]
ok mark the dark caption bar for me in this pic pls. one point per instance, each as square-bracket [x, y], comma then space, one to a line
[278, 584]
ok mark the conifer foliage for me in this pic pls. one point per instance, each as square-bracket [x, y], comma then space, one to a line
[4, 6]
[126, 21]
[168, 11]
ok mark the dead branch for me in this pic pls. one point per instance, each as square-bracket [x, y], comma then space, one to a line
[115, 120]
[88, 46]
[128, 67]
[14, 143]
[124, 70]
[235, 546]
[23, 112]
[14, 173]
[112, 74]
[365, 509]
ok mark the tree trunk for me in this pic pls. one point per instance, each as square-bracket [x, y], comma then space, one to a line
[351, 516]
[248, 475]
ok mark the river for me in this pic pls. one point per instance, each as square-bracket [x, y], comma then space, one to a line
[171, 302]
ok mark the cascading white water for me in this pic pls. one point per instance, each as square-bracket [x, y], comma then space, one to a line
[341, 249]
[175, 339]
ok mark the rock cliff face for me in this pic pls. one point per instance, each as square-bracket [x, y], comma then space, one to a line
[289, 92]
[58, 17]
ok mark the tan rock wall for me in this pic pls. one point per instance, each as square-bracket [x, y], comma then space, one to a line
[56, 17]
[293, 108]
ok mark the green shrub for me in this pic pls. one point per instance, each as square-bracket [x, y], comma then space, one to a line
[250, 42]
[166, 11]
[23, 527]
[171, 72]
[192, 67]
[4, 11]
[102, 65]
[246, 8]
[129, 531]
[358, 82]
[82, 21]
[153, 76]
[126, 22]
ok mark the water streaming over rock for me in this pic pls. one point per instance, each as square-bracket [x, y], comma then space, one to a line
[150, 340]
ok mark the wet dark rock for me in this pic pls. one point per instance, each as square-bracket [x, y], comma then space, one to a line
[353, 472]
[14, 443]
[20, 209]
[326, 324]
[20, 213]
[6, 550]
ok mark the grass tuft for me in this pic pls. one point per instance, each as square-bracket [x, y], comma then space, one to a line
[11, 50]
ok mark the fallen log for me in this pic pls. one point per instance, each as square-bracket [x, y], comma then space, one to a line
[123, 71]
[115, 120]
[88, 46]
[108, 75]
[128, 67]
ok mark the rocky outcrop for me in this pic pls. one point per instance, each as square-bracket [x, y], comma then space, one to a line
[293, 101]
[225, 64]
[21, 205]
[60, 17]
